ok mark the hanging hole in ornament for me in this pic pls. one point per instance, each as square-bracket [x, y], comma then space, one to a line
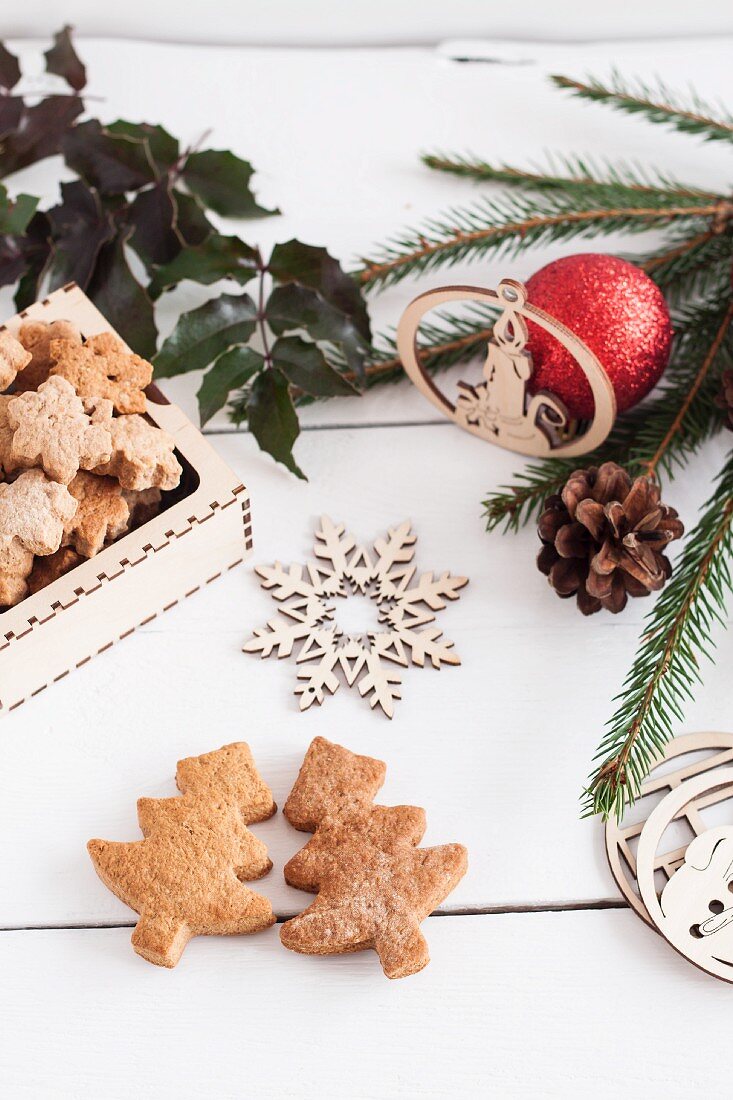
[513, 294]
[716, 907]
[695, 932]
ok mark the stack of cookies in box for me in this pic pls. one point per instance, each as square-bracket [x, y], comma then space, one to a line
[80, 463]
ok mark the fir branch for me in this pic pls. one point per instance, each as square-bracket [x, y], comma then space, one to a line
[663, 433]
[657, 103]
[691, 266]
[569, 174]
[510, 224]
[513, 506]
[673, 428]
[666, 667]
[445, 342]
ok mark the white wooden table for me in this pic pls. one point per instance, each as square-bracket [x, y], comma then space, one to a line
[540, 984]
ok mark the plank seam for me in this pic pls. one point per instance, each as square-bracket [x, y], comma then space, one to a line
[468, 911]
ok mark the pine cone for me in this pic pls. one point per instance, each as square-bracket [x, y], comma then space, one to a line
[724, 399]
[604, 536]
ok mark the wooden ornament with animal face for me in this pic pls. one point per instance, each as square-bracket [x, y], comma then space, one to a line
[695, 909]
[500, 408]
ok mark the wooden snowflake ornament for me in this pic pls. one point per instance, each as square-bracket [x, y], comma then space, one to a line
[405, 605]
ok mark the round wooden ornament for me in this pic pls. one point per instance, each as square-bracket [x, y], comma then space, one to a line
[500, 409]
[711, 751]
[695, 910]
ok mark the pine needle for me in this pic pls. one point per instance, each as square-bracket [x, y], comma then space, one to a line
[661, 435]
[568, 174]
[667, 663]
[511, 224]
[657, 103]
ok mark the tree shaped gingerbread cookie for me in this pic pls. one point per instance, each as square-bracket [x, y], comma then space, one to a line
[374, 884]
[186, 878]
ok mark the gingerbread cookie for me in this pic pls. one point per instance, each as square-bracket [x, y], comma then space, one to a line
[13, 358]
[102, 514]
[54, 429]
[186, 878]
[374, 884]
[142, 455]
[16, 564]
[36, 337]
[144, 504]
[35, 509]
[103, 367]
[8, 464]
[47, 570]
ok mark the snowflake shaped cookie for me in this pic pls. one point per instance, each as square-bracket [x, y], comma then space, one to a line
[309, 593]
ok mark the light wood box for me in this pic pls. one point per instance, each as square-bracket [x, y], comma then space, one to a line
[192, 542]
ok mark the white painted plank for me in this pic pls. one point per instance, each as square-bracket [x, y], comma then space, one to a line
[496, 750]
[336, 136]
[562, 1005]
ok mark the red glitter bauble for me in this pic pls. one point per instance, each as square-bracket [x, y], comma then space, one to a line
[616, 309]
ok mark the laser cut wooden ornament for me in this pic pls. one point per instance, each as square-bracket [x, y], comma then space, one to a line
[694, 910]
[500, 409]
[694, 913]
[621, 838]
[308, 595]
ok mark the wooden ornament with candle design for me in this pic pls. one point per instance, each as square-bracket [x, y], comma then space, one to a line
[500, 408]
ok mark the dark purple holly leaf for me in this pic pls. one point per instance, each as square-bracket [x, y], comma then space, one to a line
[79, 227]
[203, 334]
[9, 68]
[159, 146]
[24, 259]
[221, 181]
[153, 217]
[16, 246]
[117, 158]
[62, 60]
[11, 109]
[13, 260]
[314, 268]
[305, 366]
[191, 222]
[291, 308]
[217, 258]
[231, 371]
[15, 213]
[39, 132]
[118, 295]
[272, 418]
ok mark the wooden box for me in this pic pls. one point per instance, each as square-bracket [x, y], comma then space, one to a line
[202, 530]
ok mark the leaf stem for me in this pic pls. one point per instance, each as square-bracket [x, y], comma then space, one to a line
[261, 326]
[175, 170]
